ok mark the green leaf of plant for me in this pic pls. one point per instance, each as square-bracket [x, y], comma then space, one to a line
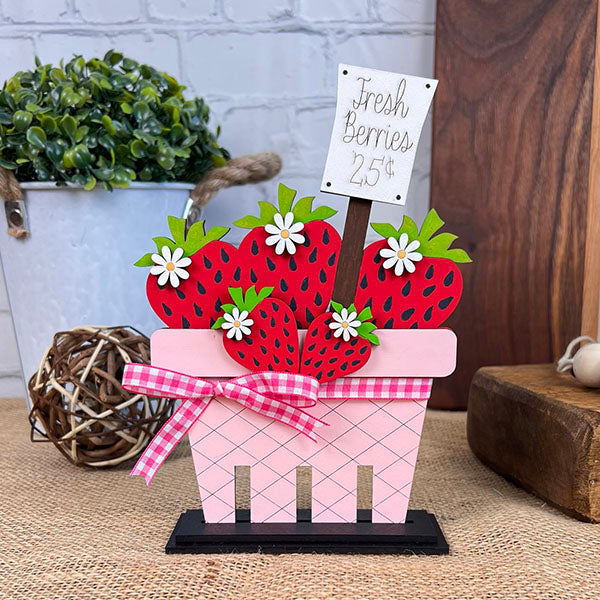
[409, 227]
[164, 241]
[365, 314]
[385, 230]
[264, 293]
[237, 295]
[215, 233]
[458, 256]
[303, 208]
[430, 225]
[137, 148]
[82, 156]
[320, 214]
[218, 323]
[195, 238]
[286, 197]
[36, 136]
[438, 245]
[69, 125]
[108, 125]
[48, 124]
[249, 222]
[22, 119]
[90, 184]
[337, 307]
[267, 212]
[145, 261]
[177, 229]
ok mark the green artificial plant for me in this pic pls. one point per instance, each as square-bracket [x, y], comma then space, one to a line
[112, 120]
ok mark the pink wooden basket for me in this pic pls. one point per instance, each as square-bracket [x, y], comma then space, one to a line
[382, 433]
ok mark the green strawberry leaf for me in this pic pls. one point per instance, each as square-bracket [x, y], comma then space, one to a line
[430, 225]
[365, 331]
[194, 238]
[409, 227]
[337, 307]
[267, 212]
[352, 308]
[217, 324]
[177, 228]
[320, 214]
[264, 293]
[303, 208]
[458, 256]
[237, 296]
[249, 222]
[163, 241]
[365, 314]
[438, 245]
[214, 234]
[385, 230]
[286, 197]
[227, 308]
[145, 261]
[250, 299]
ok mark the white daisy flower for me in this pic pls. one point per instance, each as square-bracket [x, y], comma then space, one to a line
[401, 255]
[238, 323]
[344, 324]
[169, 266]
[284, 233]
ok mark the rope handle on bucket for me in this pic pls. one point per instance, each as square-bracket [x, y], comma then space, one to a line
[250, 168]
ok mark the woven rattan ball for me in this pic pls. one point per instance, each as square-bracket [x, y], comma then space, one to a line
[79, 404]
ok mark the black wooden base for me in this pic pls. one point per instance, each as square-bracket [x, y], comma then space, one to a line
[420, 534]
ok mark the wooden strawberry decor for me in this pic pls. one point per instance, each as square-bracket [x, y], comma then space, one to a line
[260, 331]
[411, 279]
[190, 275]
[338, 343]
[292, 249]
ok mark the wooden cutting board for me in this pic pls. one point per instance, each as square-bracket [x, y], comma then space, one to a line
[540, 429]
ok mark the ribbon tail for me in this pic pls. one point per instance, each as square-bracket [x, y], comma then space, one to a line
[168, 437]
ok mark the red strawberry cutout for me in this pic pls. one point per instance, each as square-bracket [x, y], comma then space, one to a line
[410, 279]
[261, 332]
[200, 268]
[338, 343]
[293, 250]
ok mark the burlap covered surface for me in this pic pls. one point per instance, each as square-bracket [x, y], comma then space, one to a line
[74, 533]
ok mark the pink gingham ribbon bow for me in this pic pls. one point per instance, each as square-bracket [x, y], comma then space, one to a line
[280, 396]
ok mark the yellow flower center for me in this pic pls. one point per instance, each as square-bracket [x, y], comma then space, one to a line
[237, 324]
[285, 234]
[345, 324]
[401, 254]
[170, 266]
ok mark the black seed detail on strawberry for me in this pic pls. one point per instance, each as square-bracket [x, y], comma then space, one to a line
[218, 276]
[387, 305]
[254, 248]
[253, 277]
[292, 264]
[180, 294]
[207, 263]
[304, 284]
[293, 304]
[389, 324]
[270, 264]
[237, 274]
[406, 289]
[444, 303]
[272, 322]
[369, 303]
[325, 236]
[263, 313]
[319, 375]
[429, 273]
[407, 314]
[323, 350]
[277, 343]
[275, 306]
[290, 347]
[212, 321]
[248, 340]
[167, 310]
[344, 366]
[331, 259]
[354, 341]
[330, 373]
[333, 360]
[283, 285]
[286, 332]
[449, 279]
[201, 288]
[355, 362]
[241, 354]
[364, 283]
[329, 335]
[322, 276]
[309, 316]
[381, 274]
[277, 361]
[197, 310]
[415, 325]
[349, 352]
[337, 345]
[224, 256]
[262, 333]
[315, 333]
[218, 305]
[312, 257]
[318, 363]
[289, 361]
[318, 299]
[427, 314]
[270, 367]
[312, 347]
[286, 318]
[185, 324]
[263, 350]
[377, 259]
[428, 290]
[255, 361]
[307, 362]
[363, 350]
[307, 242]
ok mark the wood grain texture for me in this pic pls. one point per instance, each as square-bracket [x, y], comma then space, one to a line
[540, 429]
[591, 274]
[353, 241]
[512, 121]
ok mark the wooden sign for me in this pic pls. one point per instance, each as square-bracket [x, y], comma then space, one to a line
[378, 122]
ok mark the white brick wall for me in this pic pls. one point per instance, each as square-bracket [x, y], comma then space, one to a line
[267, 68]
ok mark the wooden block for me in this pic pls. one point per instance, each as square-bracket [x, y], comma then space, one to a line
[540, 429]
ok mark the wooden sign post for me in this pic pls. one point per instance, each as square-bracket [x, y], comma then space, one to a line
[378, 121]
